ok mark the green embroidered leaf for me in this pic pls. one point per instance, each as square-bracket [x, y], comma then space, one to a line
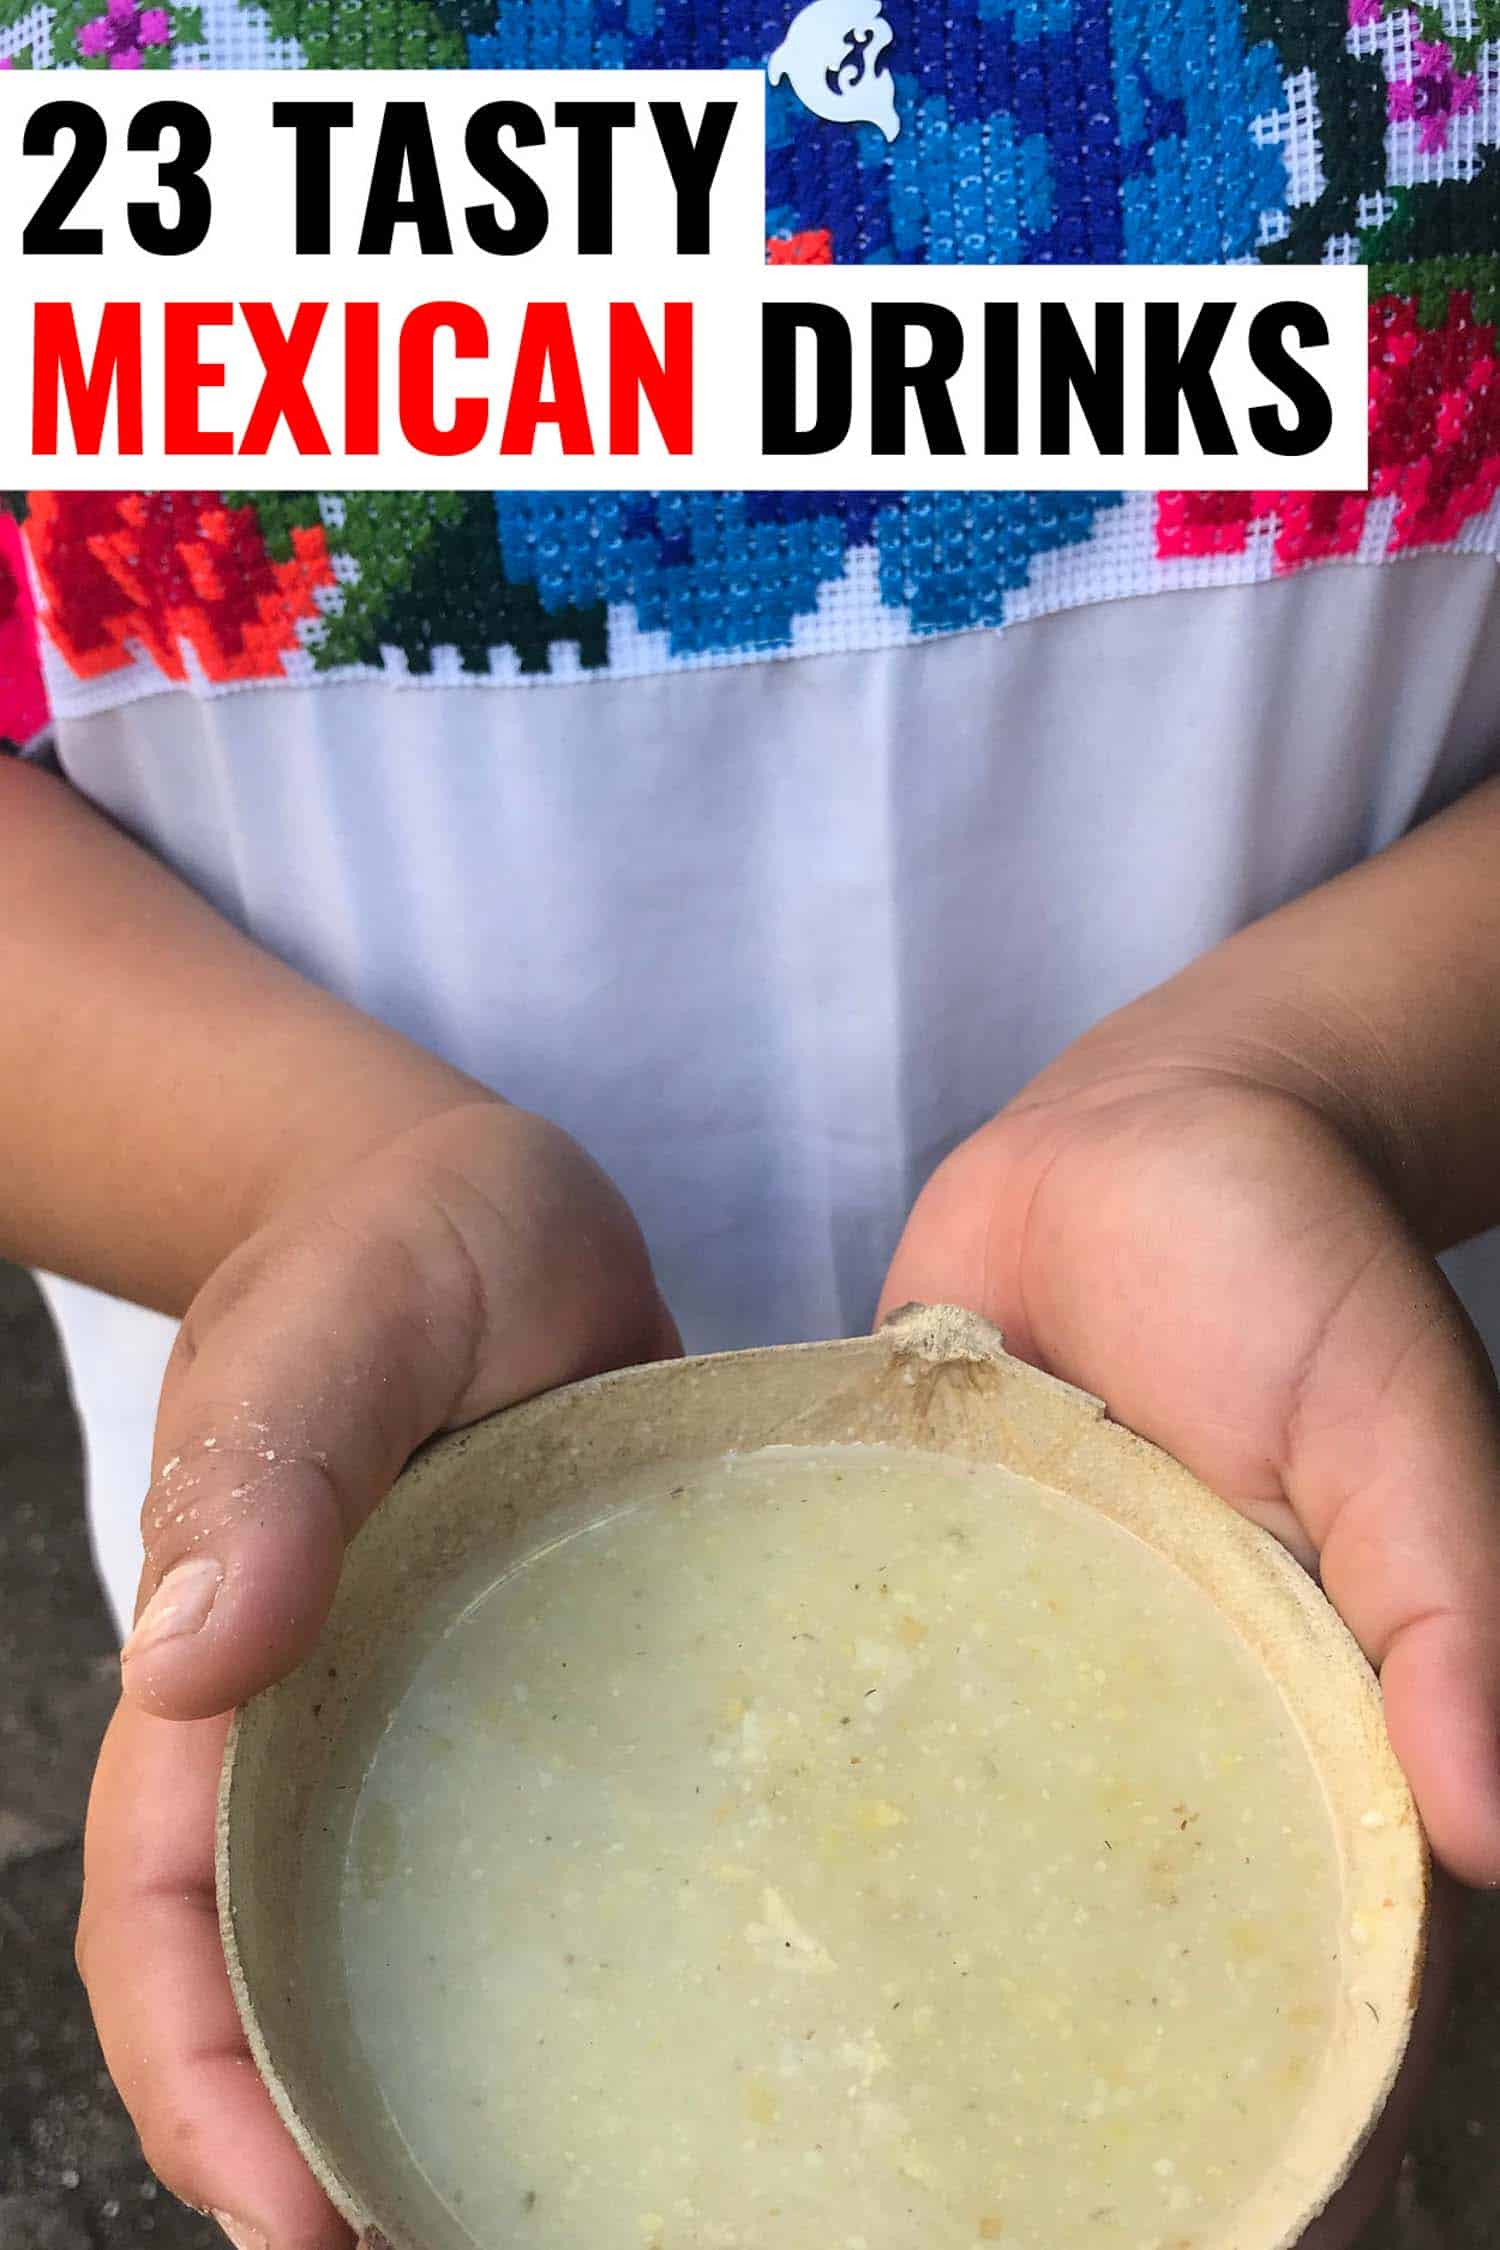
[279, 514]
[349, 35]
[430, 575]
[386, 533]
[1432, 283]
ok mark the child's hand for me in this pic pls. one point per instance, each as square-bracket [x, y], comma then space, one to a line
[1216, 1210]
[471, 1261]
[1206, 1249]
[1211, 1255]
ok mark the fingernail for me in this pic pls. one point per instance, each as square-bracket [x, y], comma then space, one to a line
[243, 2237]
[179, 1606]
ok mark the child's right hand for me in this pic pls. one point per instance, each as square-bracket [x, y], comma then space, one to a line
[471, 1261]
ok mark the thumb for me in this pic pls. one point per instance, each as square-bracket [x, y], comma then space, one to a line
[1380, 1427]
[960, 1242]
[467, 1266]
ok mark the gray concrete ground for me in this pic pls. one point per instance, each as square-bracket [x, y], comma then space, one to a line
[71, 2177]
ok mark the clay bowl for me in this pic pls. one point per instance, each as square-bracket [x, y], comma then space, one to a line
[932, 1381]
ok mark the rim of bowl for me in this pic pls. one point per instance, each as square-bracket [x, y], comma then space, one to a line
[1246, 1574]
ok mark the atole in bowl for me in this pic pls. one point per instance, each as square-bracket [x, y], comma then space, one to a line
[849, 1794]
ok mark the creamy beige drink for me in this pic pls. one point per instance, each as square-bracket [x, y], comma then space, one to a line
[843, 1850]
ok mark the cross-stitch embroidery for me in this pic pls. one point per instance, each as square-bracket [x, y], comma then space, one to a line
[1035, 131]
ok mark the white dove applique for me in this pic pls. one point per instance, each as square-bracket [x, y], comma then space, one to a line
[831, 55]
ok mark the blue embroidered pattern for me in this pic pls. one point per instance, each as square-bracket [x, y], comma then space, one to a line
[1035, 131]
[1032, 131]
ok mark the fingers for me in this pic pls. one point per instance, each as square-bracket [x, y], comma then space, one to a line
[1394, 1464]
[304, 1379]
[480, 1259]
[148, 1951]
[1258, 1307]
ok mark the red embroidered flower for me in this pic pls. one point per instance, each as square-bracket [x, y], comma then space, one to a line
[1434, 450]
[169, 572]
[1434, 418]
[23, 700]
[814, 248]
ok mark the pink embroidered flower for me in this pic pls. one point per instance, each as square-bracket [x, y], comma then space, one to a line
[1434, 451]
[1364, 11]
[122, 32]
[23, 701]
[1434, 95]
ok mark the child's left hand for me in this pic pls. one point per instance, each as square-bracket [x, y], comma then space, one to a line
[1217, 1261]
[1214, 1258]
